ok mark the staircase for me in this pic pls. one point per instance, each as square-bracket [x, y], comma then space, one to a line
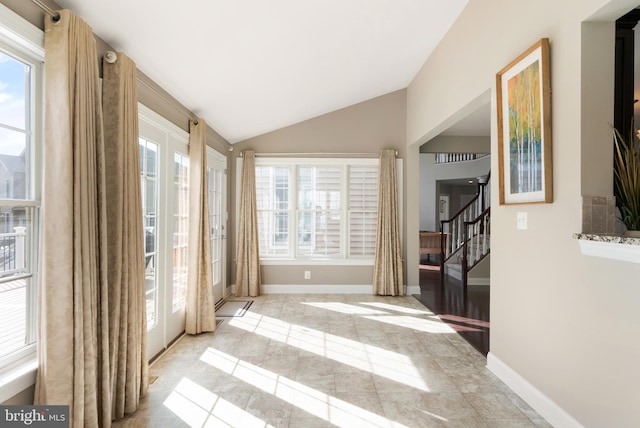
[466, 236]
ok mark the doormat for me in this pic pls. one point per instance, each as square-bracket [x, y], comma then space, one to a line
[233, 308]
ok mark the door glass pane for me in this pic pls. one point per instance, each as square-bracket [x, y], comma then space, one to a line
[151, 160]
[214, 180]
[180, 229]
[149, 191]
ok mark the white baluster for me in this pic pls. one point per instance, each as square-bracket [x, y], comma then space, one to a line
[20, 248]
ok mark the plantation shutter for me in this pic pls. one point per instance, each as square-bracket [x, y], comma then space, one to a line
[363, 206]
[319, 214]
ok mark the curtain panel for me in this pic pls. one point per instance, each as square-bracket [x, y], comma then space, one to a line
[200, 304]
[127, 309]
[73, 351]
[387, 270]
[248, 258]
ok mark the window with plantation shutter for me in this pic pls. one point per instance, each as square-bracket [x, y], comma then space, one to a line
[316, 209]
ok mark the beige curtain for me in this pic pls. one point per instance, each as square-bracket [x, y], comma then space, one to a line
[127, 309]
[387, 270]
[72, 300]
[248, 257]
[200, 307]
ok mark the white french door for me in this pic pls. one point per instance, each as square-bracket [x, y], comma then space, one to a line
[217, 185]
[164, 171]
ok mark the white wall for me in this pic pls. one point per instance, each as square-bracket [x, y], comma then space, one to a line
[567, 325]
[430, 172]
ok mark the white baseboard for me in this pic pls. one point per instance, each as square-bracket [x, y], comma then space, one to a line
[315, 289]
[478, 281]
[542, 404]
[323, 289]
[413, 289]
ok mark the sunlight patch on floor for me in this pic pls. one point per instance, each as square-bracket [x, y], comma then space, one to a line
[418, 324]
[397, 308]
[199, 407]
[391, 365]
[310, 400]
[344, 308]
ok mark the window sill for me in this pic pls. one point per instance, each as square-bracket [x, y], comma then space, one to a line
[18, 378]
[613, 247]
[316, 262]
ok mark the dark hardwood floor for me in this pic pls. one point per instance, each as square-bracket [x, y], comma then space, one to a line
[468, 316]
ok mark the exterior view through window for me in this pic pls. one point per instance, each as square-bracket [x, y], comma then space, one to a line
[180, 230]
[149, 187]
[19, 202]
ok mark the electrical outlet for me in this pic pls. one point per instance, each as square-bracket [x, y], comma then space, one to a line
[307, 274]
[521, 221]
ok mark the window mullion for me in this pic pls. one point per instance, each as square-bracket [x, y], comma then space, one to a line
[293, 211]
[344, 211]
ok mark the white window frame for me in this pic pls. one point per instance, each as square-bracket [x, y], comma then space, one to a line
[17, 370]
[292, 258]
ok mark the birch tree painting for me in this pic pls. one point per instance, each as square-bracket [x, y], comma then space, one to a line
[525, 130]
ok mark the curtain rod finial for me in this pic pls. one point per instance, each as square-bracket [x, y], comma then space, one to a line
[110, 56]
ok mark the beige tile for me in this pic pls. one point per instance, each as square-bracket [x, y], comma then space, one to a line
[265, 406]
[439, 382]
[324, 384]
[494, 406]
[406, 408]
[511, 423]
[449, 405]
[478, 382]
[252, 347]
[309, 422]
[356, 381]
[288, 363]
[525, 408]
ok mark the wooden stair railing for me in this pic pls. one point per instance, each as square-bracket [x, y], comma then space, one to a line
[476, 244]
[454, 234]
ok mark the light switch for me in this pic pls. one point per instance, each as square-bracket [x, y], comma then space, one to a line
[521, 222]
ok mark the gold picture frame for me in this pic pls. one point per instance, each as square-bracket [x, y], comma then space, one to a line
[523, 95]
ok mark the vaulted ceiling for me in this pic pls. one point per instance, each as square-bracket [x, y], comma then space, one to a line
[252, 66]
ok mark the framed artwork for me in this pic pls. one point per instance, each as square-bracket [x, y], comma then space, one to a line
[523, 95]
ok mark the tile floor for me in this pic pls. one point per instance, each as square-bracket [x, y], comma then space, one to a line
[329, 360]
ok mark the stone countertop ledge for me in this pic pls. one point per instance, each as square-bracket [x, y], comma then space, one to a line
[615, 247]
